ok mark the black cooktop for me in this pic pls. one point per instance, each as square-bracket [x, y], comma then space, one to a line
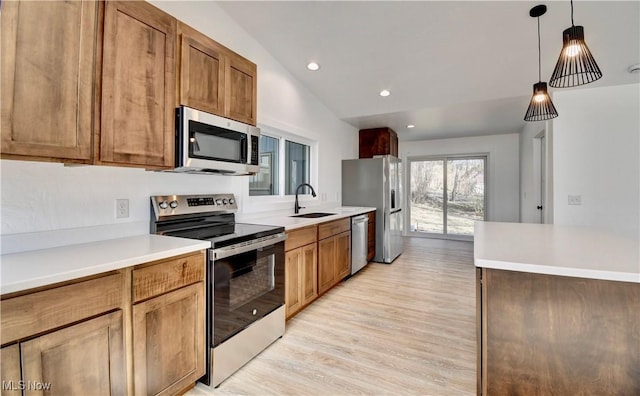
[227, 234]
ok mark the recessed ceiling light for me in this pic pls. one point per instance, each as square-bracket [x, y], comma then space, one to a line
[411, 126]
[385, 92]
[313, 66]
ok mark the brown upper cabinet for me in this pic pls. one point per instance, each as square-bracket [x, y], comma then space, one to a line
[378, 141]
[201, 71]
[138, 86]
[97, 82]
[49, 53]
[215, 79]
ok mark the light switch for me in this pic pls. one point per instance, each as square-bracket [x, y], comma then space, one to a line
[575, 199]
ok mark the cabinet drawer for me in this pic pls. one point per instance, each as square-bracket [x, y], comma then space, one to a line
[34, 313]
[162, 276]
[301, 237]
[325, 230]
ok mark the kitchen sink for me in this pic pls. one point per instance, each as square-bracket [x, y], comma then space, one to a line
[313, 215]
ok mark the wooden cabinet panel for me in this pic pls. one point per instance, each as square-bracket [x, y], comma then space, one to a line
[343, 255]
[202, 68]
[330, 228]
[545, 334]
[309, 287]
[293, 277]
[169, 341]
[371, 236]
[84, 359]
[300, 237]
[240, 88]
[10, 370]
[48, 67]
[163, 276]
[377, 141]
[301, 277]
[138, 85]
[37, 312]
[326, 258]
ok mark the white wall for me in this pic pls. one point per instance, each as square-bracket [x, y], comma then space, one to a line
[503, 167]
[596, 141]
[37, 196]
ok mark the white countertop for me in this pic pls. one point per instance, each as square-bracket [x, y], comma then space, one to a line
[26, 270]
[556, 250]
[290, 223]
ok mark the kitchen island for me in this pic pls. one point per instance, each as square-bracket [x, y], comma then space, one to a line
[558, 310]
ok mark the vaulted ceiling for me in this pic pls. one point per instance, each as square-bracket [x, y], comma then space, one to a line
[454, 68]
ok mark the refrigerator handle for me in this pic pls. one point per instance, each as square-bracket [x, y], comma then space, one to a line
[393, 199]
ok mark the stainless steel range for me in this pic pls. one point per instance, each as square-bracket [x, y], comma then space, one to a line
[245, 276]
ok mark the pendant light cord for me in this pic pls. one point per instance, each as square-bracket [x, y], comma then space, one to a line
[572, 13]
[539, 67]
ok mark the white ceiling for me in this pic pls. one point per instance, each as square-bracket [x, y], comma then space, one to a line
[454, 68]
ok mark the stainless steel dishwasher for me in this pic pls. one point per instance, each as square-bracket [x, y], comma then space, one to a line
[359, 226]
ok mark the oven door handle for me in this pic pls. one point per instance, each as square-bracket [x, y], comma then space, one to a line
[244, 247]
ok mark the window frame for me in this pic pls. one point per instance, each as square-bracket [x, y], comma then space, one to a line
[283, 136]
[445, 235]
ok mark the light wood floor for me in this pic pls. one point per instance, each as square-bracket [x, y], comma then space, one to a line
[402, 329]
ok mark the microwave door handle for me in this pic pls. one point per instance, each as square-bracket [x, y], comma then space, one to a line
[194, 142]
[244, 148]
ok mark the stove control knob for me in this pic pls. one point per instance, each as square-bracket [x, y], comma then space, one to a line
[218, 201]
[224, 201]
[173, 204]
[254, 312]
[163, 205]
[231, 201]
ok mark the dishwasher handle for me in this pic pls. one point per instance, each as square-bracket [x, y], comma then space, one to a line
[359, 219]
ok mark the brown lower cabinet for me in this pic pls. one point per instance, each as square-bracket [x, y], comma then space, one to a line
[371, 236]
[555, 335]
[301, 269]
[168, 340]
[90, 336]
[334, 253]
[83, 359]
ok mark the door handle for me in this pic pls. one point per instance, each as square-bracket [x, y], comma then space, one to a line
[539, 207]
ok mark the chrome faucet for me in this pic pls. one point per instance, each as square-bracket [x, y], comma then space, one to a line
[297, 207]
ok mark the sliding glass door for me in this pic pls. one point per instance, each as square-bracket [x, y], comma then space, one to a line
[446, 195]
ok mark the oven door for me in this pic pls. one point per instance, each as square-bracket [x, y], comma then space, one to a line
[248, 284]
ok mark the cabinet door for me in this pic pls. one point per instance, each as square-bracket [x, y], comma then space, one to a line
[84, 359]
[343, 255]
[371, 236]
[240, 88]
[138, 85]
[326, 257]
[48, 52]
[309, 273]
[201, 71]
[10, 370]
[292, 278]
[168, 341]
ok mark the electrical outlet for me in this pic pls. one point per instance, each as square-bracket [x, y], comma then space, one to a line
[575, 199]
[122, 208]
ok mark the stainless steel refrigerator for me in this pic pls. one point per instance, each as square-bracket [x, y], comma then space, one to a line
[377, 182]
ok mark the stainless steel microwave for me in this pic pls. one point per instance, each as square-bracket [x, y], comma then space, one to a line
[207, 143]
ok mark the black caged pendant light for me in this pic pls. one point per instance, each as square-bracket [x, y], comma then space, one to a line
[575, 65]
[541, 107]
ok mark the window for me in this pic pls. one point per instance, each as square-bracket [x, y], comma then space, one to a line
[265, 182]
[446, 195]
[291, 154]
[297, 158]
